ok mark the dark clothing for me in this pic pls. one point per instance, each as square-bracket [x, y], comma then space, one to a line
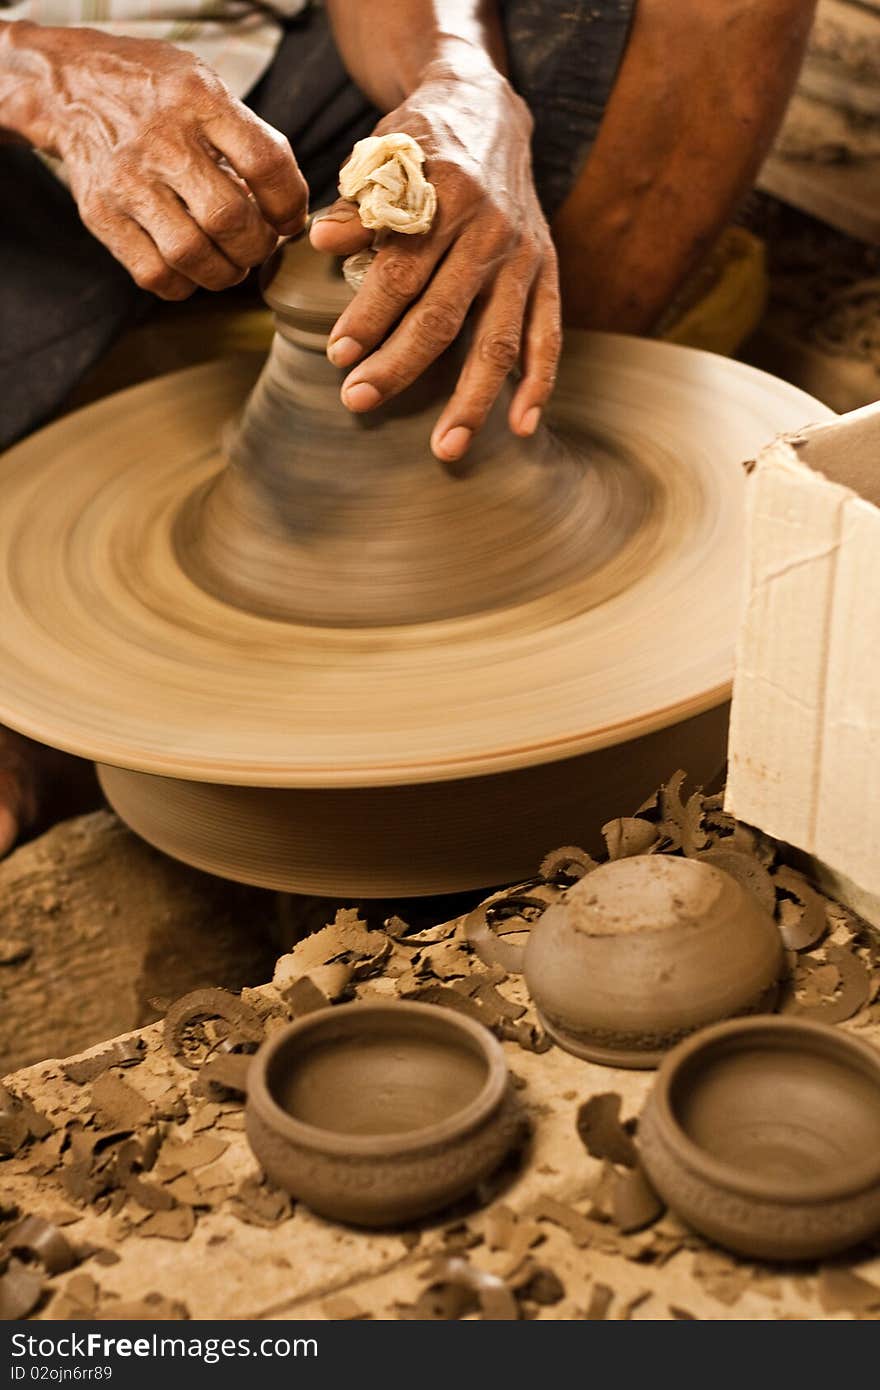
[64, 299]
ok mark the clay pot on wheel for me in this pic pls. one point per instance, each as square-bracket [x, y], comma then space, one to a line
[379, 1113]
[764, 1134]
[645, 950]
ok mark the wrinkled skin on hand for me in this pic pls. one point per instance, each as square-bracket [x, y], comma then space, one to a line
[489, 247]
[179, 180]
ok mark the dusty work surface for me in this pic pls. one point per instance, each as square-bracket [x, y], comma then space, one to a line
[138, 1161]
[94, 924]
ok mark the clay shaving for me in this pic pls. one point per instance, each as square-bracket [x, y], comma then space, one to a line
[581, 1230]
[486, 942]
[722, 1276]
[19, 1123]
[601, 1131]
[123, 1052]
[39, 1240]
[259, 1203]
[681, 822]
[841, 1291]
[347, 944]
[843, 986]
[563, 867]
[538, 1284]
[627, 835]
[223, 1077]
[635, 1204]
[14, 1129]
[600, 1301]
[801, 911]
[748, 871]
[457, 1287]
[191, 1025]
[118, 1105]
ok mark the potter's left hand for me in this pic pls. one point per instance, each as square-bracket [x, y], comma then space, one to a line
[489, 246]
[18, 786]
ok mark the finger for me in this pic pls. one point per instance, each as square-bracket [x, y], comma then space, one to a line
[134, 249]
[542, 344]
[339, 229]
[492, 356]
[424, 332]
[220, 206]
[263, 158]
[399, 274]
[181, 244]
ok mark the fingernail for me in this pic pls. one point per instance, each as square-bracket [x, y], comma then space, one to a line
[529, 422]
[344, 352]
[454, 442]
[335, 214]
[361, 396]
[290, 228]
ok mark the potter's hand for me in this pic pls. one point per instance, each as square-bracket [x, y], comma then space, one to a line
[182, 183]
[18, 797]
[8, 816]
[489, 246]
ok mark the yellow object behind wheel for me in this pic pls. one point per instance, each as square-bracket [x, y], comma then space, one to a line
[724, 301]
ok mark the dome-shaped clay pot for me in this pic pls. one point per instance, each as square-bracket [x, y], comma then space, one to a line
[645, 950]
[764, 1134]
[379, 1113]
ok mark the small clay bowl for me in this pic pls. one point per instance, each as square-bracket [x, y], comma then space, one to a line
[643, 951]
[379, 1113]
[764, 1135]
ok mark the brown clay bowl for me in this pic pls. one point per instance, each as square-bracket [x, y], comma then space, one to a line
[379, 1113]
[764, 1135]
[643, 951]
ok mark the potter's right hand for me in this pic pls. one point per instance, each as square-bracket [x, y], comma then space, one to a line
[179, 180]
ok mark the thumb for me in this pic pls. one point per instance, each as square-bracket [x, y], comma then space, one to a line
[339, 229]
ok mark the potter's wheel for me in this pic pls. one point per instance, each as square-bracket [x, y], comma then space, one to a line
[335, 667]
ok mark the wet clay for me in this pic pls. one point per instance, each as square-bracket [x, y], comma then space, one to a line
[379, 1113]
[764, 1134]
[644, 950]
[332, 519]
[232, 601]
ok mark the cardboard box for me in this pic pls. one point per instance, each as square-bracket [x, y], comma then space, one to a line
[805, 722]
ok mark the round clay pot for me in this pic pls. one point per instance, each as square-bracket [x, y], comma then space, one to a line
[764, 1134]
[643, 951]
[379, 1113]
